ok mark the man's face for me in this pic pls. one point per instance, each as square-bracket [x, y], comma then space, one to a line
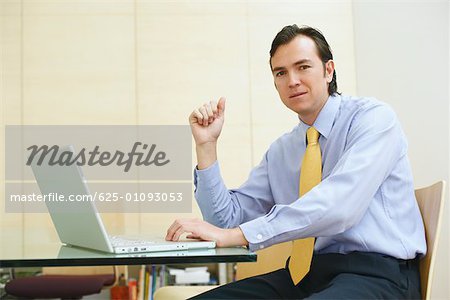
[300, 78]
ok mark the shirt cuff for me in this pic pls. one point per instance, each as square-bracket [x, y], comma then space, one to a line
[258, 233]
[210, 175]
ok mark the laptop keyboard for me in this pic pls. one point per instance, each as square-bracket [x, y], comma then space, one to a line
[120, 241]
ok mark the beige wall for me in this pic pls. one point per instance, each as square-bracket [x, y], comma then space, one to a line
[152, 62]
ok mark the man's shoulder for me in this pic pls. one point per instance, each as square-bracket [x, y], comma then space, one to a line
[360, 105]
[367, 112]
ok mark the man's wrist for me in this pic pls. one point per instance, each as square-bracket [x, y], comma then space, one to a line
[206, 154]
[238, 237]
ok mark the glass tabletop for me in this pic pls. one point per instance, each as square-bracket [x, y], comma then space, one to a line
[56, 254]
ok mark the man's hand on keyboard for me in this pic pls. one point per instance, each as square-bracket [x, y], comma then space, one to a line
[199, 229]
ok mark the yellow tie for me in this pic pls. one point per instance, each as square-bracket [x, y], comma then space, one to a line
[310, 176]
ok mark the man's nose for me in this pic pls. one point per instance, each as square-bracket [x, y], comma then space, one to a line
[294, 80]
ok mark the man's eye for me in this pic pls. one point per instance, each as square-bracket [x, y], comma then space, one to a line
[281, 73]
[304, 67]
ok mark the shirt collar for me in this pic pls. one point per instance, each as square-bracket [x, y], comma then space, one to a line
[325, 119]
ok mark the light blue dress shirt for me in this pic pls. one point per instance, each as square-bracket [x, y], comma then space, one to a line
[365, 201]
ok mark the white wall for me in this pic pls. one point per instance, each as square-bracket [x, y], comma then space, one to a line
[402, 57]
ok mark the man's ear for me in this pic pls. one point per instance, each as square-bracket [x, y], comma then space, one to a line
[329, 70]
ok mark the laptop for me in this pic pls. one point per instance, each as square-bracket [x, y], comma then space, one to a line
[79, 223]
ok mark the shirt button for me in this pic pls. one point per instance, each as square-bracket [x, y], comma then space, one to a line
[259, 236]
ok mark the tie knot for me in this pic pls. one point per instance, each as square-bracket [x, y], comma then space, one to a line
[312, 135]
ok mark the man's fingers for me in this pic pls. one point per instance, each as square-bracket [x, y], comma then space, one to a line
[169, 233]
[179, 227]
[193, 236]
[214, 108]
[198, 116]
[221, 106]
[204, 113]
[179, 232]
[209, 111]
[173, 229]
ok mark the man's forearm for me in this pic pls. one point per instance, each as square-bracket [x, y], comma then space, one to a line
[206, 155]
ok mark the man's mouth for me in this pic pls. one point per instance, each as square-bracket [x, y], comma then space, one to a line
[297, 94]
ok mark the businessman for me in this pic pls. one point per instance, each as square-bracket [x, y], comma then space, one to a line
[340, 182]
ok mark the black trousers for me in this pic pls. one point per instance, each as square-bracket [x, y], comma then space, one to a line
[357, 275]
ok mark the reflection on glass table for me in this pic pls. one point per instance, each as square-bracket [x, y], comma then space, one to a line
[55, 254]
